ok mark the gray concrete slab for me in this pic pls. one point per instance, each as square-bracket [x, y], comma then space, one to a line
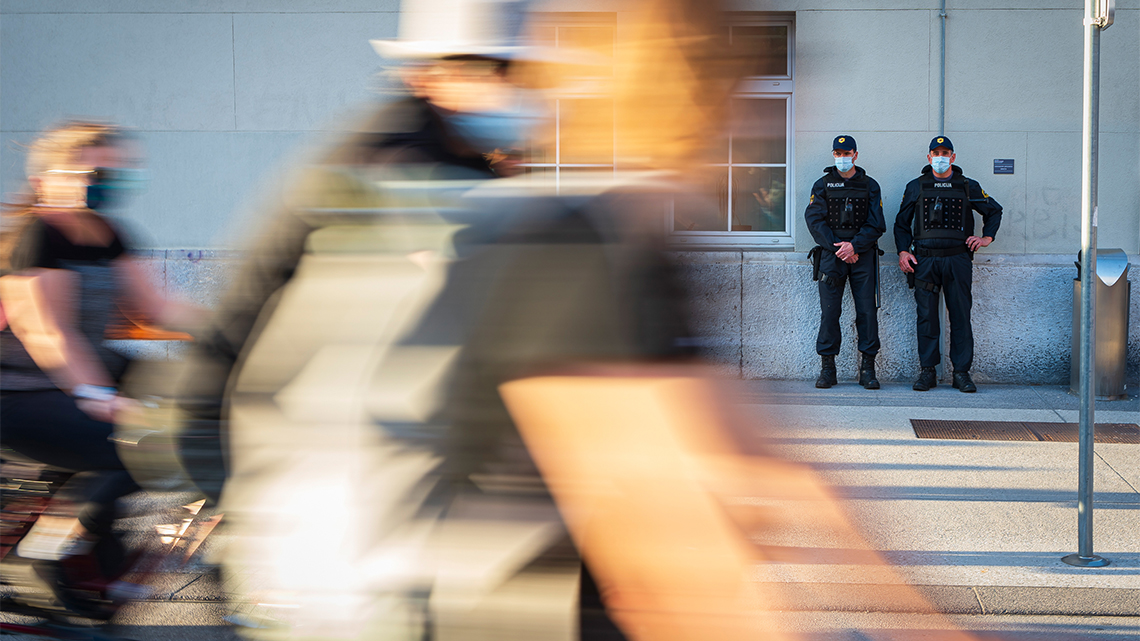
[136, 69]
[859, 626]
[900, 394]
[995, 517]
[173, 621]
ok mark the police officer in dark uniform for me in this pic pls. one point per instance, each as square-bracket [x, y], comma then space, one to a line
[845, 216]
[936, 216]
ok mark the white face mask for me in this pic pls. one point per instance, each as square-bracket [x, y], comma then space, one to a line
[844, 163]
[940, 164]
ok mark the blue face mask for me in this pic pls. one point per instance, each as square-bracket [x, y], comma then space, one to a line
[940, 164]
[487, 131]
[844, 163]
[110, 186]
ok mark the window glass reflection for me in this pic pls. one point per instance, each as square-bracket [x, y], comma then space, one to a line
[759, 199]
[765, 46]
[760, 129]
[704, 209]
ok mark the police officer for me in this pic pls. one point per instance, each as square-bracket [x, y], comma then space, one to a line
[845, 216]
[936, 217]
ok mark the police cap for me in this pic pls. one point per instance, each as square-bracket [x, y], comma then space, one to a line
[844, 142]
[941, 141]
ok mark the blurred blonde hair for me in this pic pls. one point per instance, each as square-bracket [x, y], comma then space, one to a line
[60, 146]
[57, 148]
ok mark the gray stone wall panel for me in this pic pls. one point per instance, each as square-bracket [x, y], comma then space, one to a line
[151, 71]
[713, 283]
[830, 45]
[1023, 323]
[201, 277]
[1022, 319]
[201, 180]
[930, 5]
[898, 360]
[780, 320]
[291, 75]
[198, 6]
[1133, 362]
[1118, 191]
[995, 79]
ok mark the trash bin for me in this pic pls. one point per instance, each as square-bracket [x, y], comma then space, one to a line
[1111, 340]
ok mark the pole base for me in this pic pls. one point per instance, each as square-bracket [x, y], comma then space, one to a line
[1093, 561]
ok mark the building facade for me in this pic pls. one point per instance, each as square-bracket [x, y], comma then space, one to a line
[226, 92]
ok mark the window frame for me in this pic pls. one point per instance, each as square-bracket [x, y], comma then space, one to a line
[755, 87]
[570, 19]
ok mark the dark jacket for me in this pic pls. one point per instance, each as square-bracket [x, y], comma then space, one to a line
[980, 202]
[407, 134]
[816, 213]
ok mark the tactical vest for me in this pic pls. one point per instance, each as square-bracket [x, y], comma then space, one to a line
[848, 204]
[943, 209]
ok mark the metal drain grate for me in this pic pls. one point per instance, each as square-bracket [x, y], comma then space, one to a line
[1022, 431]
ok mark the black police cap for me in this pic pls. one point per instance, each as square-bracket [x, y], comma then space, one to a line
[941, 141]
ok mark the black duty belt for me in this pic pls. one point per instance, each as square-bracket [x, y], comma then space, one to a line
[923, 252]
[816, 274]
[913, 282]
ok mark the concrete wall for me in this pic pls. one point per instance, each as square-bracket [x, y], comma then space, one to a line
[1013, 87]
[223, 92]
[758, 315]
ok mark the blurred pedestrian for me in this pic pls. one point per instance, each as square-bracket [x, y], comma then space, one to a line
[67, 273]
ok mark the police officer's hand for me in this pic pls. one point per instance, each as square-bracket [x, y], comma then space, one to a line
[907, 261]
[846, 252]
[975, 243]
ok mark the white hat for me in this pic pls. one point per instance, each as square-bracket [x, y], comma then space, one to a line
[432, 29]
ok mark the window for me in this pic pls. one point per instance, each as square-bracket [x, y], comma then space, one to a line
[746, 202]
[582, 100]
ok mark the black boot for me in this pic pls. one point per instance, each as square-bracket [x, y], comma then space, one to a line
[927, 379]
[867, 372]
[963, 382]
[827, 376]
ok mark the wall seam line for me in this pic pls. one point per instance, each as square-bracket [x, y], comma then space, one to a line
[233, 58]
[742, 315]
[1025, 182]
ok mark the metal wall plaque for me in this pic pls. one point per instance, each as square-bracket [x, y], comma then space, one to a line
[1003, 165]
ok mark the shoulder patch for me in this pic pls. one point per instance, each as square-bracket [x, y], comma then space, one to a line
[811, 199]
[984, 194]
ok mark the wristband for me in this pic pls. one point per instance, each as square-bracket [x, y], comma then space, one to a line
[94, 392]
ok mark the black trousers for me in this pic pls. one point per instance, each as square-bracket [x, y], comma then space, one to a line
[861, 275]
[48, 427]
[954, 274]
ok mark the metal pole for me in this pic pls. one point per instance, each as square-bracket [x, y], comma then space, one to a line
[942, 74]
[1087, 385]
[943, 315]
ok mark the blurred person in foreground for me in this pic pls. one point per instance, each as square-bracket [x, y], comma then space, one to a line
[67, 273]
[429, 378]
